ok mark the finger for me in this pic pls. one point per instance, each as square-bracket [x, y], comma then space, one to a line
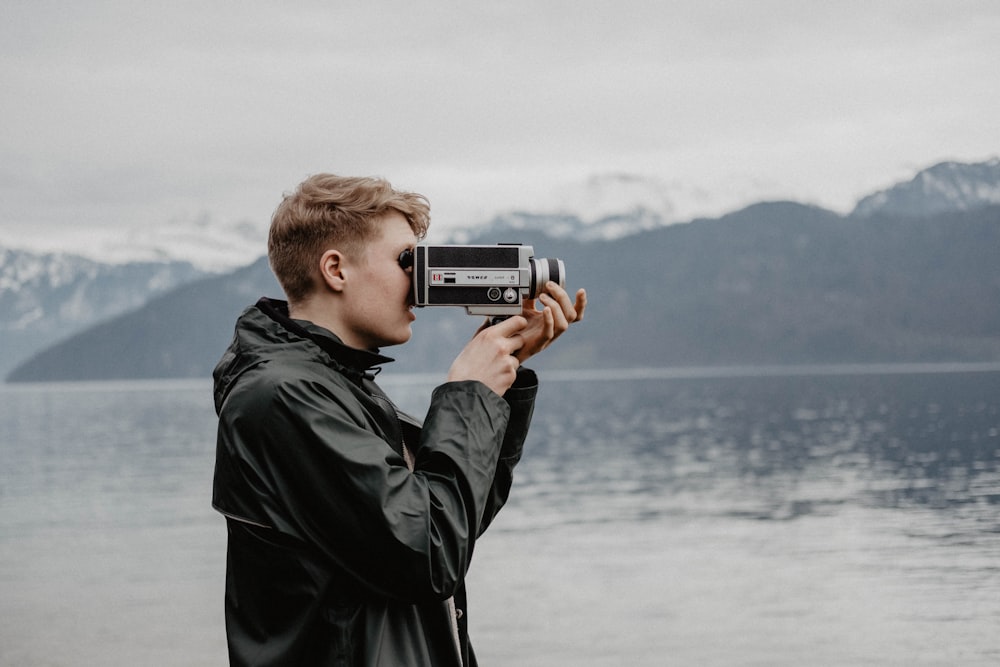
[510, 326]
[543, 332]
[552, 287]
[559, 319]
[581, 303]
[514, 343]
[550, 325]
[562, 298]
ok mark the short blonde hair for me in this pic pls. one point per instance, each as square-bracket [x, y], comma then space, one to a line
[328, 211]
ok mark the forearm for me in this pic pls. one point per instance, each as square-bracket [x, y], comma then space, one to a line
[521, 399]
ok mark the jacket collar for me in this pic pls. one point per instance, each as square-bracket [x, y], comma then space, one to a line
[352, 358]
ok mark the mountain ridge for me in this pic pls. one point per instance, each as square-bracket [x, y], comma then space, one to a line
[45, 297]
[602, 206]
[774, 283]
[945, 186]
[563, 231]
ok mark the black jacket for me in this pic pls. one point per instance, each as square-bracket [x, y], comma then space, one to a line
[338, 553]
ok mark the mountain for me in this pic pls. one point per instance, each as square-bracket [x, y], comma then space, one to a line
[211, 245]
[45, 297]
[603, 207]
[948, 186]
[176, 334]
[782, 283]
[774, 283]
[214, 246]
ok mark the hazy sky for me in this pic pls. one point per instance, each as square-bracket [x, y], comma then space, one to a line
[138, 114]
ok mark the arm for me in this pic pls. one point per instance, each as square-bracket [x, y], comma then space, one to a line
[307, 455]
[508, 344]
[521, 399]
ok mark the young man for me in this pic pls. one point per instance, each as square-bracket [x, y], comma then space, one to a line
[351, 526]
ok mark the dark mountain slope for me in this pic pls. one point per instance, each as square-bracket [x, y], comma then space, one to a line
[774, 283]
[179, 334]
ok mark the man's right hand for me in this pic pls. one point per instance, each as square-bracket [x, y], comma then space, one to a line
[489, 356]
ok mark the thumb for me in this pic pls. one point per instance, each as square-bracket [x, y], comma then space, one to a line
[510, 326]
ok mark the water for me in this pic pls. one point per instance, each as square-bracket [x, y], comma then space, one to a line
[819, 516]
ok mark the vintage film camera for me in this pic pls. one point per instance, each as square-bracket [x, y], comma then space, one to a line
[491, 280]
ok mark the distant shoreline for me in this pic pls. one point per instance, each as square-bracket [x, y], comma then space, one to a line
[770, 370]
[723, 372]
[580, 375]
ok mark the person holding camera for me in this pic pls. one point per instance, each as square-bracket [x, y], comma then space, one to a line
[351, 525]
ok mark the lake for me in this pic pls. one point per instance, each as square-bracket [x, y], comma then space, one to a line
[776, 516]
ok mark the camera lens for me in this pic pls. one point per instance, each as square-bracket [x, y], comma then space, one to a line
[544, 270]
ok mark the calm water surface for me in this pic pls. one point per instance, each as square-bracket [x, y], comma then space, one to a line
[699, 518]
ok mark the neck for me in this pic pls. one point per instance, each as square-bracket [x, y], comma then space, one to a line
[321, 314]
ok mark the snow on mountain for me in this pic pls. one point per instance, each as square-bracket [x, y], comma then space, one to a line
[48, 296]
[207, 243]
[947, 186]
[603, 196]
[602, 207]
[78, 277]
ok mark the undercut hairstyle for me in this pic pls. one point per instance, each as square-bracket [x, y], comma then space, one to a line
[328, 211]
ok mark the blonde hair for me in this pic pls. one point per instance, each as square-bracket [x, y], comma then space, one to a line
[328, 211]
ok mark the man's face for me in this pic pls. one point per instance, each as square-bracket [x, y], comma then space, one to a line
[377, 295]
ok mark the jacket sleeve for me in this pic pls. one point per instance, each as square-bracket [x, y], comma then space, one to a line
[521, 399]
[318, 472]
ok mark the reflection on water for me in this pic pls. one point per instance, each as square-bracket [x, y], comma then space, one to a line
[772, 447]
[769, 519]
[754, 520]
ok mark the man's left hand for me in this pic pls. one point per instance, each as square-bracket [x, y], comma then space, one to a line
[547, 324]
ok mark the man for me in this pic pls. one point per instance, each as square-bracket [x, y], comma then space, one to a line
[351, 526]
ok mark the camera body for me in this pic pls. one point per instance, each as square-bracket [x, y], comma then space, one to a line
[491, 280]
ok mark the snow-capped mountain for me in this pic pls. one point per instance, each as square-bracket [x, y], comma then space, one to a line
[604, 196]
[45, 296]
[207, 243]
[602, 207]
[48, 296]
[947, 186]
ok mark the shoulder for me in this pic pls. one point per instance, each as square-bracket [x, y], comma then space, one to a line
[272, 390]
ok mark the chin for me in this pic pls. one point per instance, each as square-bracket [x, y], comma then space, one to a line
[403, 337]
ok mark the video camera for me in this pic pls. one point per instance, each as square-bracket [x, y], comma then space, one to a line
[491, 280]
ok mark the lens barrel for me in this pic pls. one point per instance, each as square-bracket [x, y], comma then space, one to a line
[542, 271]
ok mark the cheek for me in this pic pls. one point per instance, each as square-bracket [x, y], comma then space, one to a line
[393, 286]
[404, 281]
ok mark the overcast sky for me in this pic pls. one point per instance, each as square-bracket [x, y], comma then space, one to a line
[121, 113]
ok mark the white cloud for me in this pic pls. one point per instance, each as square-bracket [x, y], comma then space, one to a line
[117, 114]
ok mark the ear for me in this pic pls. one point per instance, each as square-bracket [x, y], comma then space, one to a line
[331, 270]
